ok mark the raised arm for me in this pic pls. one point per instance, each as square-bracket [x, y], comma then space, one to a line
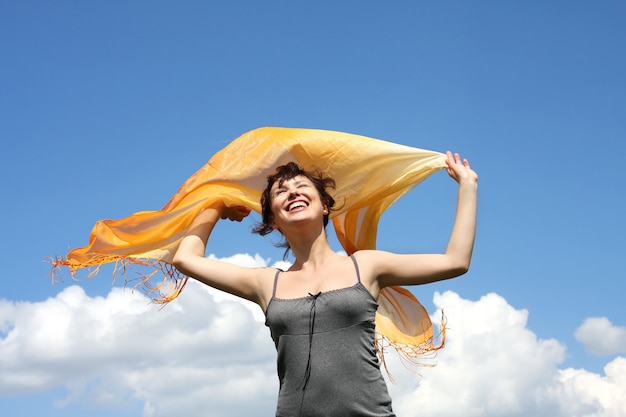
[387, 269]
[190, 257]
[461, 244]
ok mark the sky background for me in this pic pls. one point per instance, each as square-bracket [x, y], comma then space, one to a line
[106, 107]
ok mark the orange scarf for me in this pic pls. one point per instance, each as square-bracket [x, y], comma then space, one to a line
[371, 175]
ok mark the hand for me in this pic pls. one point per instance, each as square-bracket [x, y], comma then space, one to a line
[459, 170]
[236, 213]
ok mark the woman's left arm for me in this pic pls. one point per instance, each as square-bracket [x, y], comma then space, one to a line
[461, 244]
[389, 269]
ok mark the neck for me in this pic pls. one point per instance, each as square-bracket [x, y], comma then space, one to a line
[309, 248]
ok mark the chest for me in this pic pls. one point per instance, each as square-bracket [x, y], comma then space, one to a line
[299, 284]
[329, 311]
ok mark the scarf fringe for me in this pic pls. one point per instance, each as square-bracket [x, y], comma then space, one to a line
[162, 293]
[413, 356]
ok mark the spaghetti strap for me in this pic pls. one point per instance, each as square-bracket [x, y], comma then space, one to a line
[356, 267]
[275, 283]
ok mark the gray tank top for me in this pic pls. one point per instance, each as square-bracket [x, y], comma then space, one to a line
[327, 362]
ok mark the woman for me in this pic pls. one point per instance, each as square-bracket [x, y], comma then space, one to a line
[321, 311]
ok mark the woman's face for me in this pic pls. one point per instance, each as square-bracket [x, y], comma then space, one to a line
[295, 200]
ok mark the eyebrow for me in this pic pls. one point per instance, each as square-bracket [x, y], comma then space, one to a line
[279, 184]
[296, 182]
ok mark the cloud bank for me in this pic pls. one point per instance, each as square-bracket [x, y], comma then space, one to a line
[493, 365]
[209, 354]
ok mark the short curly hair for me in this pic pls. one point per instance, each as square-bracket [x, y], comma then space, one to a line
[287, 172]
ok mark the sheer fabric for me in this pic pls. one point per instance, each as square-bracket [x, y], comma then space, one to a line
[371, 175]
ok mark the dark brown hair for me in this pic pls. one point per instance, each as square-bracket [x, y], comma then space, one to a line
[287, 172]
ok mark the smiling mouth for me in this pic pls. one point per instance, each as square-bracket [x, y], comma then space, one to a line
[296, 205]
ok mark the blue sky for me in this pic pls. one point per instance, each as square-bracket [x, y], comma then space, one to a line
[107, 107]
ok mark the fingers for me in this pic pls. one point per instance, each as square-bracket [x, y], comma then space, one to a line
[237, 213]
[459, 168]
[233, 213]
[455, 158]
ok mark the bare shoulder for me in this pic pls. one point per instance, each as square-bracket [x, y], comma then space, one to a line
[370, 264]
[373, 261]
[266, 278]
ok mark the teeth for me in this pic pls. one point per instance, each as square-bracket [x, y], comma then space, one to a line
[296, 205]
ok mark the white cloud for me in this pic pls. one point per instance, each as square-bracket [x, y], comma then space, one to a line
[198, 356]
[493, 365]
[207, 354]
[591, 395]
[601, 337]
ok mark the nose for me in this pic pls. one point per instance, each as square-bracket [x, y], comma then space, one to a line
[293, 193]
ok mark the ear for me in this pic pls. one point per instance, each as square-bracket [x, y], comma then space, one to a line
[325, 211]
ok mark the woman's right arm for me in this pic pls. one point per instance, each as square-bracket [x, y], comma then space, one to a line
[190, 257]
